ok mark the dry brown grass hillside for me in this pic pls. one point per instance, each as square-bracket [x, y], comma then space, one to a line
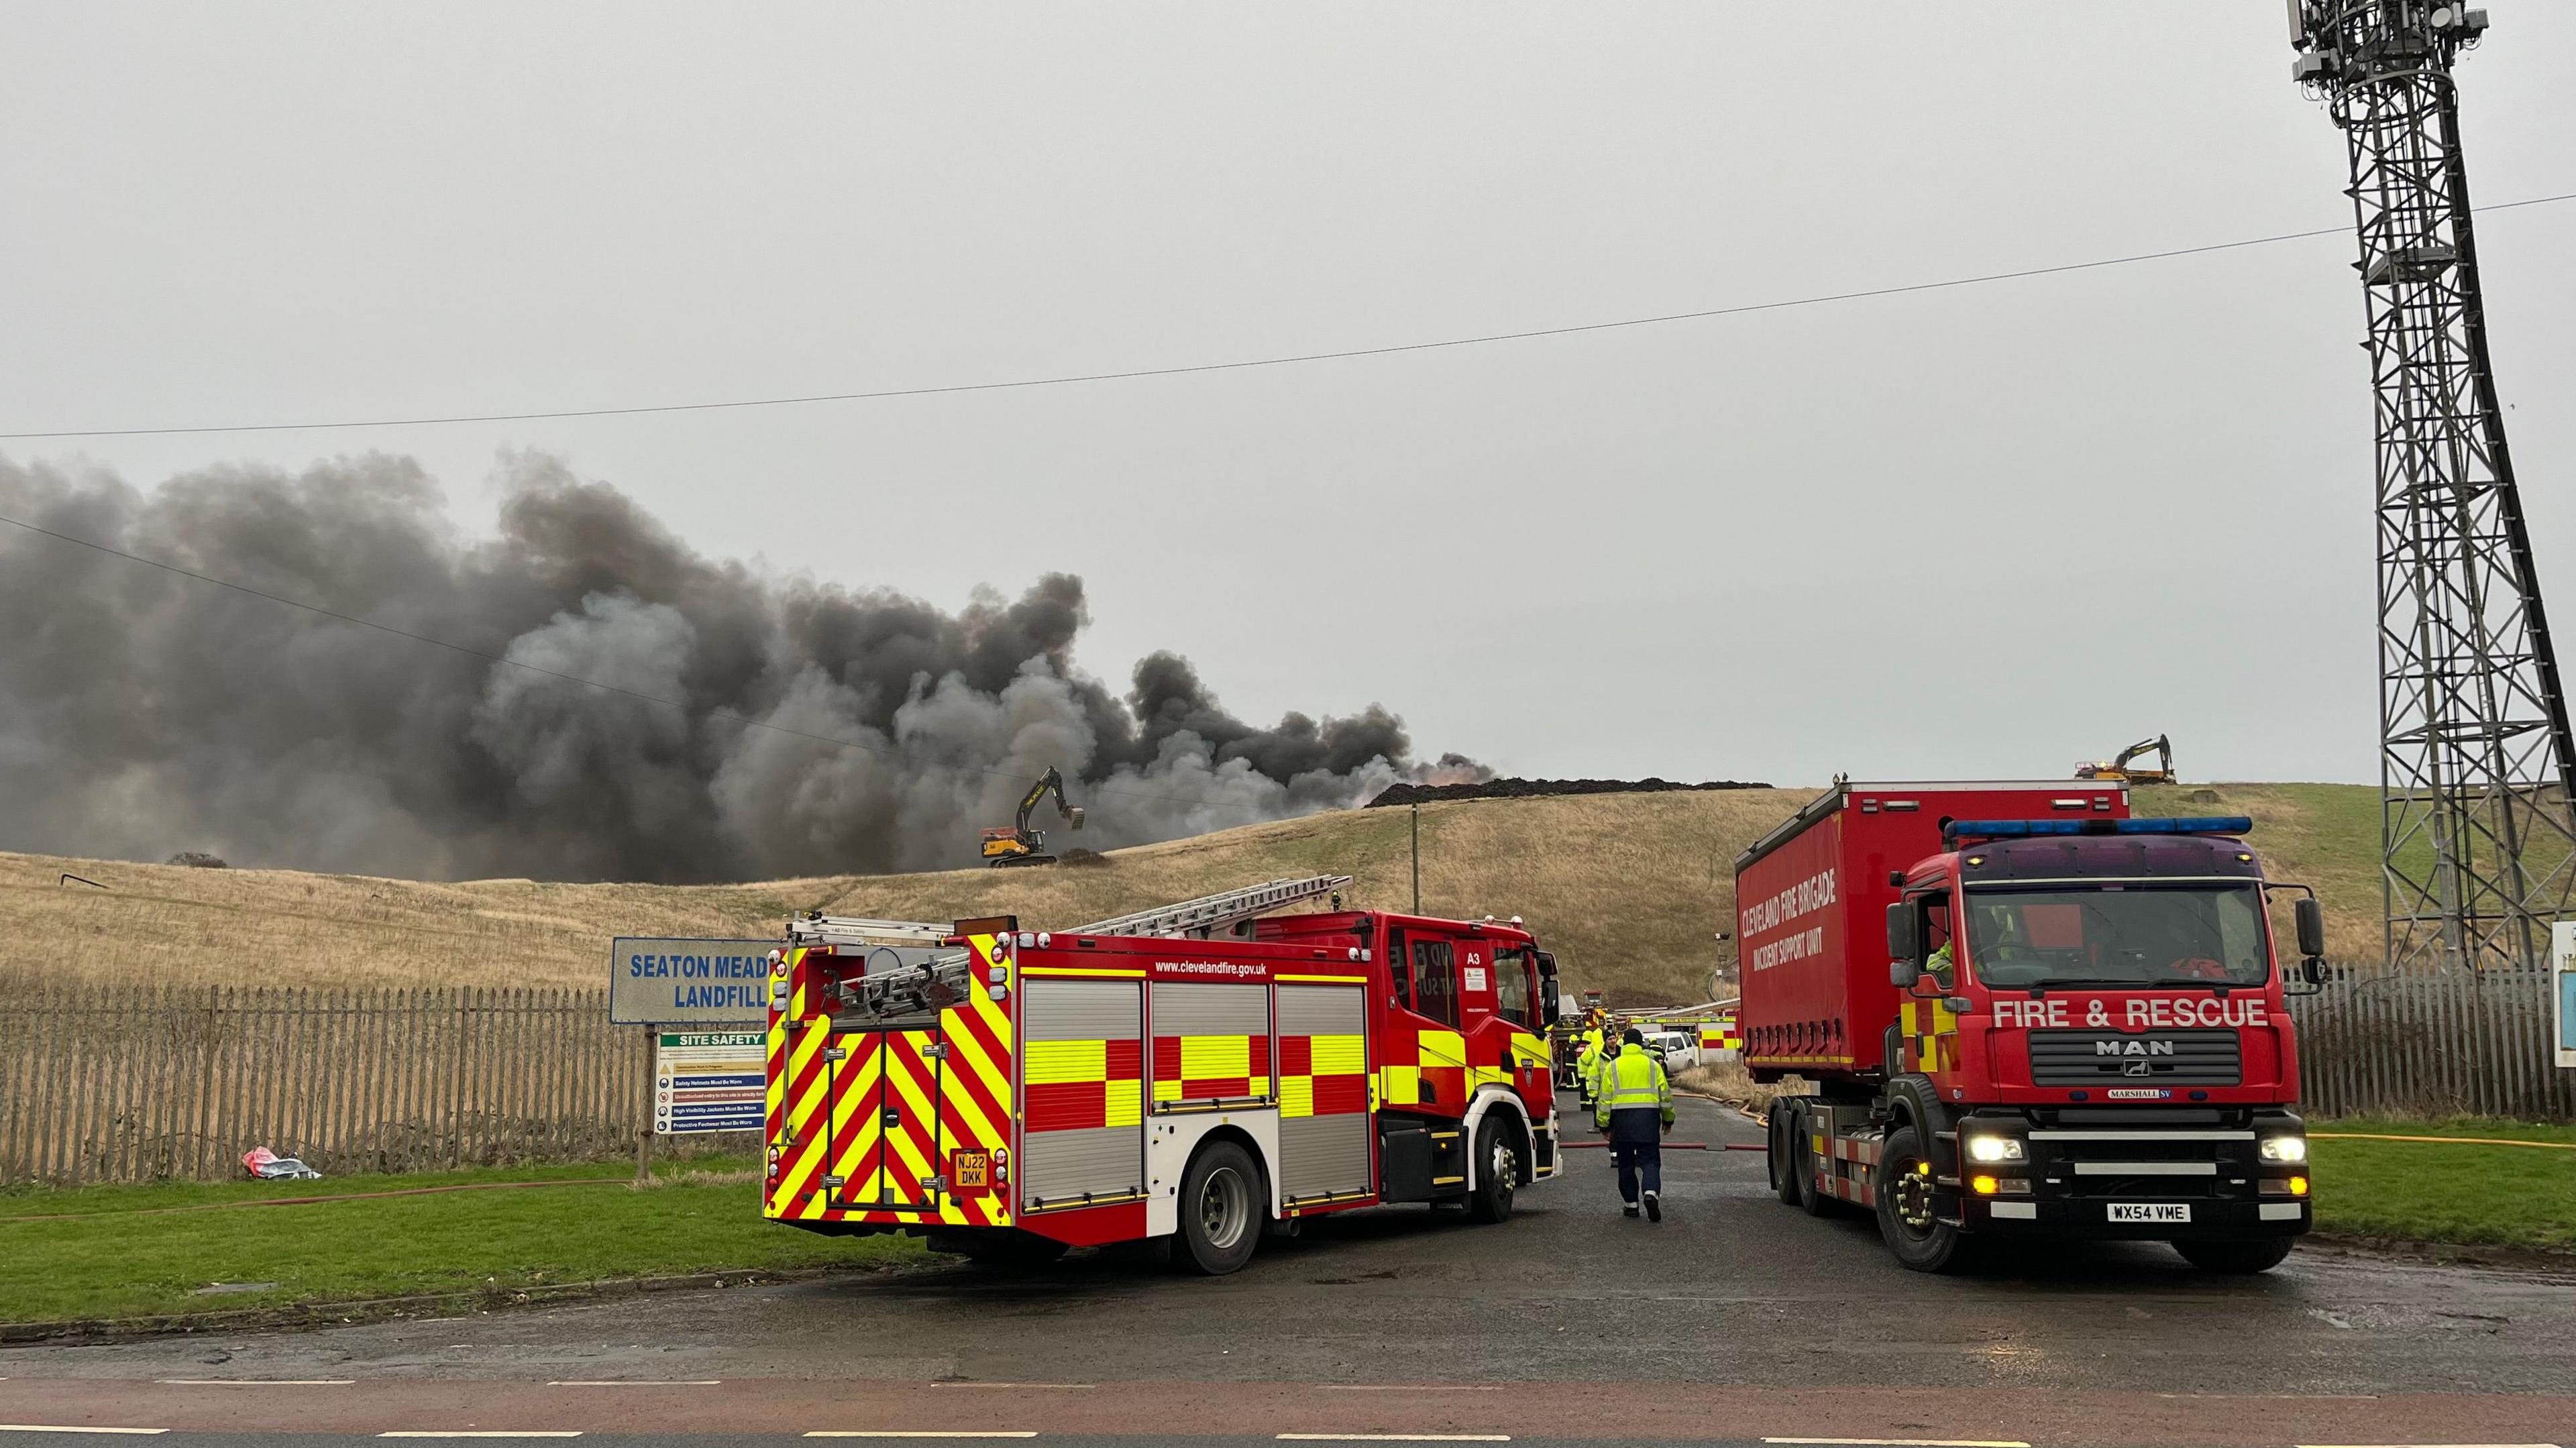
[1627, 889]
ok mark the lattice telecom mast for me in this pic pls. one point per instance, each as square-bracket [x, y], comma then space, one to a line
[2475, 834]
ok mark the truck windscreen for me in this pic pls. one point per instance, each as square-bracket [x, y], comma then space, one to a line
[2117, 936]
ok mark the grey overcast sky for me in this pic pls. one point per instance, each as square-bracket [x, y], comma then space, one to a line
[1979, 531]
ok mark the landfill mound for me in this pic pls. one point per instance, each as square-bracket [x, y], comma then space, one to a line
[1531, 788]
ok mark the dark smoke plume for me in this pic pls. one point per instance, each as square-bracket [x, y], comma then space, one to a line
[141, 711]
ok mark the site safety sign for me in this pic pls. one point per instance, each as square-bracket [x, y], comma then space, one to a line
[708, 1081]
[657, 982]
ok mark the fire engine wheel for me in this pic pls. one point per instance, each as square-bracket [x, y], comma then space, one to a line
[2261, 1255]
[1220, 1211]
[1782, 1158]
[1907, 1215]
[1498, 1157]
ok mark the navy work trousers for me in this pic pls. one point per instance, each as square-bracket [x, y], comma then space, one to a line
[1636, 1143]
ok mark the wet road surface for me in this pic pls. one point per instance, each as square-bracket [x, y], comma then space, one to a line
[1735, 1318]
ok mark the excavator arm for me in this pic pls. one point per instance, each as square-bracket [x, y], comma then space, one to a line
[1052, 780]
[1019, 845]
[2160, 747]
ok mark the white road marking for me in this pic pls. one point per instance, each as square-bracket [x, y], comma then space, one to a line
[635, 1383]
[1911, 1442]
[916, 1433]
[57, 1428]
[257, 1382]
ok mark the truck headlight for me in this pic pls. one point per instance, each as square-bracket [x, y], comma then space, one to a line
[2285, 1148]
[1994, 1148]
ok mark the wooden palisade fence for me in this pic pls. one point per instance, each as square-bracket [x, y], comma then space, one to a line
[2432, 1043]
[113, 1085]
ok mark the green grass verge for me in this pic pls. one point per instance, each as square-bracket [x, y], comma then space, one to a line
[2509, 1196]
[124, 1260]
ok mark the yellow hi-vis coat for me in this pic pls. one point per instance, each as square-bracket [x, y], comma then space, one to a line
[1633, 1078]
[1588, 1066]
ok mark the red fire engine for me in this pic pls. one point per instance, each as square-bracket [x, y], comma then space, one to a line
[2077, 1026]
[1204, 1073]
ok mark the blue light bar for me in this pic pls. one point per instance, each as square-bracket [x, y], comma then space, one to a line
[2024, 829]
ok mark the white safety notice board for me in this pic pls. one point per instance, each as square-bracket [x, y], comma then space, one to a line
[708, 1081]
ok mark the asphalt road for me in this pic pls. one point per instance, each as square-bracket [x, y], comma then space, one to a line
[1735, 1317]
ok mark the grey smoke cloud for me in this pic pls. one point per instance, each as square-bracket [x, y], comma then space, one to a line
[144, 713]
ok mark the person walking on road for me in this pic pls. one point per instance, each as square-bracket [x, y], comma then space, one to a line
[1586, 1064]
[1633, 1105]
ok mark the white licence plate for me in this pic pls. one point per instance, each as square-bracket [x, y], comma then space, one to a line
[2158, 1212]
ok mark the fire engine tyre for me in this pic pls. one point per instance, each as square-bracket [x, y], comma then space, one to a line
[2260, 1255]
[1498, 1169]
[1778, 1159]
[1905, 1208]
[1220, 1209]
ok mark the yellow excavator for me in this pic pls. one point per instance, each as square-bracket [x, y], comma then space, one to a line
[1016, 843]
[2120, 770]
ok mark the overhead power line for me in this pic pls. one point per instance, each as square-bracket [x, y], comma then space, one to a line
[728, 715]
[1289, 360]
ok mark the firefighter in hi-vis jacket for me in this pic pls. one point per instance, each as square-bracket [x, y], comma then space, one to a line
[1587, 1065]
[1634, 1106]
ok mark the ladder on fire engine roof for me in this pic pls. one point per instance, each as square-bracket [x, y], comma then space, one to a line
[1208, 914]
[838, 930]
[1200, 917]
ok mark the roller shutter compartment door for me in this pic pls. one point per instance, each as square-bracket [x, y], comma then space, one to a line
[1081, 1093]
[1323, 1091]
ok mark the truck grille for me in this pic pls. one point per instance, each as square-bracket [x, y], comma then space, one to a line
[2147, 1058]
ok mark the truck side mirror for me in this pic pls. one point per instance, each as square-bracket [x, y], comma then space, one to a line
[1902, 974]
[1552, 1004]
[1901, 942]
[2313, 971]
[2312, 926]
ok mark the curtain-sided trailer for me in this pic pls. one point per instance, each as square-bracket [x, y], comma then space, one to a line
[1013, 1093]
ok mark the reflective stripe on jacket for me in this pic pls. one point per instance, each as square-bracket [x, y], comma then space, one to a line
[1632, 1080]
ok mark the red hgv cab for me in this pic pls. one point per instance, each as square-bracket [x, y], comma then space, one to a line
[2024, 1011]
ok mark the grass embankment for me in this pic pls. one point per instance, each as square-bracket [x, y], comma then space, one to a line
[122, 1252]
[2473, 1193]
[1625, 888]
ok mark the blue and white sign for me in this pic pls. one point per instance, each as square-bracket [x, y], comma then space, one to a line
[2562, 983]
[709, 1081]
[658, 982]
